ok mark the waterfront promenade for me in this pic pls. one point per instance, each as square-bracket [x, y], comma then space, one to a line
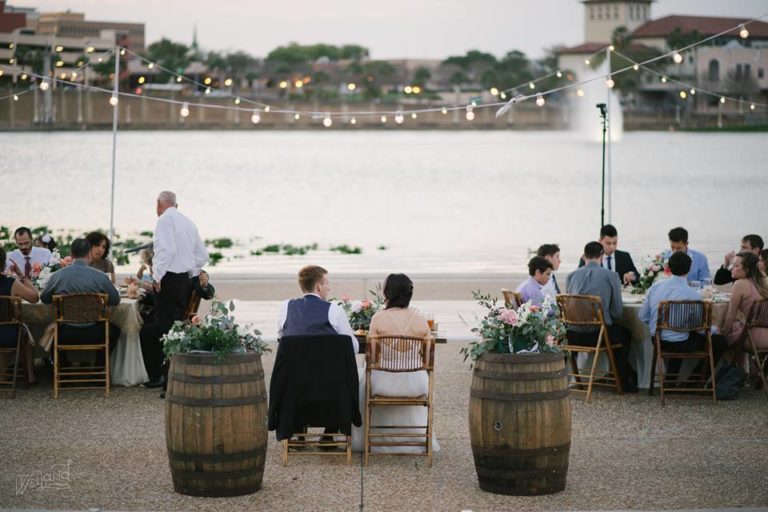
[628, 452]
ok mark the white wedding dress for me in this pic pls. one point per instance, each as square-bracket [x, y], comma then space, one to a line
[394, 384]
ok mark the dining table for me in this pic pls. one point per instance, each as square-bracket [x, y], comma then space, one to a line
[126, 361]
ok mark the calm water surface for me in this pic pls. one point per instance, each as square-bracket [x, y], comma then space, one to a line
[457, 202]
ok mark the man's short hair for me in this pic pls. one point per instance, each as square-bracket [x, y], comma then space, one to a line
[540, 264]
[680, 263]
[548, 250]
[755, 241]
[609, 231]
[80, 248]
[678, 234]
[22, 231]
[167, 197]
[593, 250]
[309, 276]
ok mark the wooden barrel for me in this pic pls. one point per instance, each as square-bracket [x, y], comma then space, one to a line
[216, 424]
[520, 423]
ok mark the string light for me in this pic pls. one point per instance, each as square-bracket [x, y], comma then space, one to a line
[580, 93]
[114, 100]
[44, 85]
[683, 94]
[611, 48]
[559, 74]
[722, 100]
[399, 117]
[636, 67]
[11, 60]
[184, 110]
[178, 79]
[383, 119]
[24, 76]
[494, 91]
[59, 48]
[15, 97]
[255, 117]
[414, 116]
[141, 80]
[237, 101]
[207, 80]
[470, 115]
[151, 65]
[663, 79]
[351, 86]
[296, 116]
[540, 101]
[693, 91]
[122, 51]
[752, 107]
[208, 90]
[677, 58]
[609, 82]
[587, 62]
[353, 121]
[228, 82]
[327, 121]
[266, 108]
[503, 95]
[743, 32]
[444, 110]
[531, 85]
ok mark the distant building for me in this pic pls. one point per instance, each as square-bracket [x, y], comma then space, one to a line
[602, 17]
[74, 24]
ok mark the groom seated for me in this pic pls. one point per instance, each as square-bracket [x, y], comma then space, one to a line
[313, 314]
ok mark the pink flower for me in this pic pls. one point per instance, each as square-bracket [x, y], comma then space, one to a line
[508, 316]
[667, 271]
[365, 304]
[66, 261]
[195, 320]
[37, 268]
[534, 308]
[551, 340]
[656, 267]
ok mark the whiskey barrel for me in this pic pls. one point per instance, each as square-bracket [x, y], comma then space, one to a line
[520, 423]
[216, 424]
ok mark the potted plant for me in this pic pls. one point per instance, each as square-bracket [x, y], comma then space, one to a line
[216, 407]
[519, 410]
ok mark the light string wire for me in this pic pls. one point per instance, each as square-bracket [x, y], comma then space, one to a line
[265, 108]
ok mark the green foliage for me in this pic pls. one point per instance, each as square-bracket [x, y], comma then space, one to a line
[345, 249]
[148, 234]
[272, 248]
[215, 258]
[361, 313]
[295, 54]
[217, 332]
[170, 55]
[220, 243]
[382, 247]
[256, 253]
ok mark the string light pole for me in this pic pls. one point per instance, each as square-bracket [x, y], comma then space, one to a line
[604, 122]
[114, 101]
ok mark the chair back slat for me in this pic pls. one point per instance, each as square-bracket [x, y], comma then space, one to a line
[512, 299]
[192, 306]
[10, 310]
[580, 309]
[758, 315]
[400, 353]
[684, 315]
[77, 308]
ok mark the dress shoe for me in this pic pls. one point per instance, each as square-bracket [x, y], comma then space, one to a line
[162, 395]
[153, 384]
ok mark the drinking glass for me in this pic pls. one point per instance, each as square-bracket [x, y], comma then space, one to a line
[694, 284]
[430, 320]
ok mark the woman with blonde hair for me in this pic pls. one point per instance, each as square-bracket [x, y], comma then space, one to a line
[750, 286]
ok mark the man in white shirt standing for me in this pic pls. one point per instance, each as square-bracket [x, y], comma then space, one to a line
[179, 256]
[26, 255]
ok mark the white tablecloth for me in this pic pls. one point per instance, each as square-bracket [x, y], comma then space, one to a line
[126, 362]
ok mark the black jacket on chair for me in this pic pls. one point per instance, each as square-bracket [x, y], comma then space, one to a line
[314, 383]
[622, 263]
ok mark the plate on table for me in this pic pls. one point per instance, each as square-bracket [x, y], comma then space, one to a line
[632, 299]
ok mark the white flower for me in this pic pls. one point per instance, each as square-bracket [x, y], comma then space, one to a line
[357, 306]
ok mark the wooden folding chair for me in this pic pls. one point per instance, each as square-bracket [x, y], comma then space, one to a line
[81, 308]
[587, 311]
[399, 354]
[10, 316]
[757, 319]
[684, 316]
[512, 299]
[193, 305]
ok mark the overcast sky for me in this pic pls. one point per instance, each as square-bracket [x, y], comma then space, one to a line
[389, 28]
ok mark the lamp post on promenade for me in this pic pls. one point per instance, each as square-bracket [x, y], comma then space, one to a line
[604, 123]
[114, 101]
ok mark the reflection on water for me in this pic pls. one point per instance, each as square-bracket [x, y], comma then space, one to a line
[439, 201]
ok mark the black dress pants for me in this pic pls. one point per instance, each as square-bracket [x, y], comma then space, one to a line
[73, 335]
[170, 305]
[617, 335]
[695, 342]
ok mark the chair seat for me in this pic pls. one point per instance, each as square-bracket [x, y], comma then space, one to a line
[587, 348]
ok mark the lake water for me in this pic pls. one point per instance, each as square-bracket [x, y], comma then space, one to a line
[439, 201]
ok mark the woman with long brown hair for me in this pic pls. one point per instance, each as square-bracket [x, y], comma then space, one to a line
[750, 285]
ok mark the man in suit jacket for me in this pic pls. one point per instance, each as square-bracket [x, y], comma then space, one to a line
[614, 259]
[750, 243]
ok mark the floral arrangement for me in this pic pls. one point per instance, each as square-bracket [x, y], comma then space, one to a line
[651, 270]
[529, 328]
[361, 312]
[217, 332]
[41, 273]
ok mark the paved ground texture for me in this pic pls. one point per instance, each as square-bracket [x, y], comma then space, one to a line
[84, 451]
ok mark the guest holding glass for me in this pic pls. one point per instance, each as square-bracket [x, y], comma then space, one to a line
[539, 274]
[396, 319]
[750, 285]
[17, 286]
[97, 258]
[678, 242]
[750, 243]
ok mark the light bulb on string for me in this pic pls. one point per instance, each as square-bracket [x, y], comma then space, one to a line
[399, 118]
[353, 121]
[184, 110]
[151, 65]
[383, 119]
[255, 117]
[683, 95]
[227, 82]
[503, 95]
[266, 108]
[445, 110]
[44, 85]
[559, 74]
[609, 82]
[178, 79]
[494, 91]
[743, 32]
[296, 116]
[677, 58]
[122, 51]
[663, 79]
[15, 97]
[580, 93]
[237, 101]
[693, 92]
[722, 100]
[752, 107]
[327, 121]
[587, 62]
[636, 67]
[470, 115]
[114, 100]
[414, 116]
[611, 48]
[540, 101]
[208, 90]
[531, 85]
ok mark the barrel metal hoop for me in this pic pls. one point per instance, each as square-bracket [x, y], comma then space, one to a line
[213, 359]
[512, 377]
[215, 402]
[214, 458]
[518, 397]
[521, 359]
[183, 488]
[216, 379]
[215, 475]
[523, 474]
[497, 452]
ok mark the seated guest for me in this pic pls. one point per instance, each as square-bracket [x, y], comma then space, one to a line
[22, 287]
[539, 274]
[79, 277]
[678, 242]
[551, 253]
[676, 288]
[763, 264]
[98, 258]
[593, 279]
[313, 314]
[46, 242]
[396, 319]
[26, 255]
[614, 259]
[750, 243]
[751, 285]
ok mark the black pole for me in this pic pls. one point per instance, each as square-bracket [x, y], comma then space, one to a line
[604, 122]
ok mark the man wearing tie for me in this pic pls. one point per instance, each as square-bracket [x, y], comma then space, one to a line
[551, 253]
[614, 259]
[26, 255]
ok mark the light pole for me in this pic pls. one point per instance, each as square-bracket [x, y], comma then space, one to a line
[604, 123]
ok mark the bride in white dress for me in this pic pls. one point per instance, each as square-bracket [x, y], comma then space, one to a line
[397, 319]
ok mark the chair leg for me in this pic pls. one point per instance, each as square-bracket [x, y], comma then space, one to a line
[367, 426]
[429, 421]
[711, 358]
[662, 377]
[612, 362]
[15, 371]
[106, 370]
[349, 449]
[575, 368]
[56, 369]
[595, 358]
[654, 361]
[285, 452]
